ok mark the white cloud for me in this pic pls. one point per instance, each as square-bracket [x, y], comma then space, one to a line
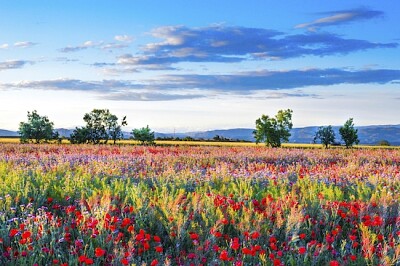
[123, 38]
[24, 44]
[13, 64]
[4, 46]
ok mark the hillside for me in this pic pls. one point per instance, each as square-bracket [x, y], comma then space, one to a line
[367, 134]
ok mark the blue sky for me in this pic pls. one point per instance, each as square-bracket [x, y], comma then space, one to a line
[197, 65]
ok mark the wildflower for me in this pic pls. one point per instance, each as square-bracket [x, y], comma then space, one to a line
[334, 263]
[302, 250]
[154, 262]
[99, 252]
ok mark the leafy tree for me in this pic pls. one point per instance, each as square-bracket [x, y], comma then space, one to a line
[274, 130]
[326, 135]
[38, 129]
[79, 136]
[349, 133]
[101, 126]
[383, 143]
[114, 129]
[144, 135]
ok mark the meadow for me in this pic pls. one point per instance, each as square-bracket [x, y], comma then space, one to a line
[198, 205]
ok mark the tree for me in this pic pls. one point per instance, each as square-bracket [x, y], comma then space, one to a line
[101, 126]
[326, 135]
[38, 129]
[144, 135]
[274, 130]
[79, 136]
[349, 133]
[114, 129]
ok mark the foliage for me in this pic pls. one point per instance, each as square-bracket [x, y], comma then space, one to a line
[383, 143]
[37, 129]
[326, 135]
[144, 135]
[130, 205]
[79, 136]
[349, 133]
[101, 126]
[274, 130]
[114, 129]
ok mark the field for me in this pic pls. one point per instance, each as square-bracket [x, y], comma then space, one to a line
[198, 205]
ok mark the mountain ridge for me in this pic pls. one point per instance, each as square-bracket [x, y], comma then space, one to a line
[371, 134]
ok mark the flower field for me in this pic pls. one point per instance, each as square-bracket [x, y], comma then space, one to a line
[132, 205]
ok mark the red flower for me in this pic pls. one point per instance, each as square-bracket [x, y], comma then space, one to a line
[159, 249]
[26, 234]
[277, 262]
[82, 258]
[302, 236]
[157, 239]
[99, 252]
[89, 261]
[13, 232]
[235, 244]
[194, 236]
[302, 250]
[334, 263]
[124, 261]
[255, 235]
[224, 256]
[353, 257]
[154, 262]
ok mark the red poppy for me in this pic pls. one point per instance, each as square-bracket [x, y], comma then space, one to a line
[334, 263]
[154, 262]
[159, 249]
[302, 250]
[124, 261]
[99, 252]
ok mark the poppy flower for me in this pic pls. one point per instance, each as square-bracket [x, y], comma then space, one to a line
[99, 252]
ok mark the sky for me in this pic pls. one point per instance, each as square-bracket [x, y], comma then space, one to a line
[200, 65]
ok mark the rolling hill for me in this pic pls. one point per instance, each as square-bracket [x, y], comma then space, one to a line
[366, 134]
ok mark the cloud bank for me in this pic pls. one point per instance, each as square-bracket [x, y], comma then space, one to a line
[236, 44]
[176, 87]
[341, 17]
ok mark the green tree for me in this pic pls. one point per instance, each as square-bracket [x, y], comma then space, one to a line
[326, 135]
[37, 129]
[101, 126]
[144, 135]
[274, 130]
[349, 133]
[114, 129]
[79, 136]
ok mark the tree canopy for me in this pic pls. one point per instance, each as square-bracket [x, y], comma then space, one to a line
[144, 135]
[349, 133]
[37, 129]
[326, 135]
[101, 126]
[274, 130]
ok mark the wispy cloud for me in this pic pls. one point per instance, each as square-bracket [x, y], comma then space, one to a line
[83, 46]
[123, 38]
[14, 64]
[341, 17]
[249, 84]
[18, 45]
[276, 80]
[24, 44]
[92, 44]
[236, 44]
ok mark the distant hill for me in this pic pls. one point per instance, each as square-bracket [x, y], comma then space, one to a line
[366, 134]
[8, 133]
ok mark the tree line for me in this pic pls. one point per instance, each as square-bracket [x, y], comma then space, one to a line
[103, 126]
